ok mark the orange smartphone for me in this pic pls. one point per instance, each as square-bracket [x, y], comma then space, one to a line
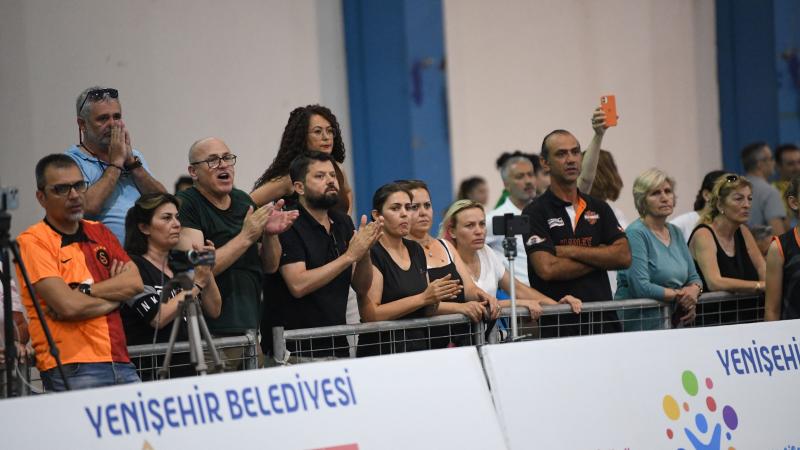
[608, 103]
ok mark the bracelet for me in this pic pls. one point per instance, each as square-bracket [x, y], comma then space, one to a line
[117, 167]
[200, 288]
[134, 165]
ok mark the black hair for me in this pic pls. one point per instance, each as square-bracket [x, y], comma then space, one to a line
[410, 185]
[293, 141]
[183, 179]
[545, 152]
[467, 186]
[57, 160]
[708, 185]
[750, 155]
[784, 148]
[793, 191]
[299, 167]
[141, 213]
[383, 193]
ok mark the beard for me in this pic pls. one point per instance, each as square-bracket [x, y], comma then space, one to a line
[325, 201]
[77, 217]
[100, 141]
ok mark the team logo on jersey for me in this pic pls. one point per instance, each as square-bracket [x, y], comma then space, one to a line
[102, 256]
[555, 222]
[534, 240]
[591, 217]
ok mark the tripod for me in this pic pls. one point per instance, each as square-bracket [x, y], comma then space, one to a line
[189, 309]
[510, 250]
[511, 226]
[9, 245]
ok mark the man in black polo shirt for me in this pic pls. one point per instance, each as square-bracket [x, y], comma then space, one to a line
[574, 240]
[322, 256]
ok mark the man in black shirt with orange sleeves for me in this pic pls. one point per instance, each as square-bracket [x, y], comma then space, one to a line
[574, 240]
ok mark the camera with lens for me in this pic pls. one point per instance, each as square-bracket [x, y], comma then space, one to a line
[184, 261]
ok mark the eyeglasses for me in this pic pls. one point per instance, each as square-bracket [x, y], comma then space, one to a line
[97, 95]
[214, 161]
[318, 132]
[63, 189]
[731, 178]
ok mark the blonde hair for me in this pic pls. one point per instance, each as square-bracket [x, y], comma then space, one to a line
[645, 183]
[724, 186]
[448, 222]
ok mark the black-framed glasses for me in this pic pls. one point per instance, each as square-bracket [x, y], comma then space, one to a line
[63, 189]
[732, 178]
[97, 95]
[214, 161]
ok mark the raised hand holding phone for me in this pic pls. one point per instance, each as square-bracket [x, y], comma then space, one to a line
[608, 103]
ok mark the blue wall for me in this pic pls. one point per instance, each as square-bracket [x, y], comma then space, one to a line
[398, 96]
[758, 45]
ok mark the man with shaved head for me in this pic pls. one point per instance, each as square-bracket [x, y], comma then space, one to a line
[574, 240]
[245, 236]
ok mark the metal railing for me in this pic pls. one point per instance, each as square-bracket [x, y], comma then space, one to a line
[237, 352]
[396, 336]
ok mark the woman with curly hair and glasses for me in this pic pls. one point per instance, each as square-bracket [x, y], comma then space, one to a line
[312, 127]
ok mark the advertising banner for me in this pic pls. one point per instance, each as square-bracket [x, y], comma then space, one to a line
[732, 387]
[435, 399]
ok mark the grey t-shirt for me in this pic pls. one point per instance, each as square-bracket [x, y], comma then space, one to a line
[767, 204]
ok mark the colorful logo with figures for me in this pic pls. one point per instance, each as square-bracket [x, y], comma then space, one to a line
[698, 418]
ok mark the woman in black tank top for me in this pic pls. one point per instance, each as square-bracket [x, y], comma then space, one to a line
[443, 259]
[783, 267]
[400, 287]
[725, 252]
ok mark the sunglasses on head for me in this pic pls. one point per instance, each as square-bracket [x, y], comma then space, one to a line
[97, 95]
[731, 178]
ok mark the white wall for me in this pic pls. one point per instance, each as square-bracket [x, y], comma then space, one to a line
[185, 69]
[518, 69]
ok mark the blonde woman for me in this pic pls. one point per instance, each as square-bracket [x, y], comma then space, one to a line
[464, 225]
[726, 254]
[661, 266]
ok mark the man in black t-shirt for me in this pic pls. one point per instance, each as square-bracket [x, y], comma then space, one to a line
[574, 240]
[322, 256]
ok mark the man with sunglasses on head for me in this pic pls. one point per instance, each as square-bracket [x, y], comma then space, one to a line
[245, 236]
[81, 275]
[117, 173]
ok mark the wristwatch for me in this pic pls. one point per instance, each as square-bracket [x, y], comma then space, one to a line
[85, 289]
[134, 165]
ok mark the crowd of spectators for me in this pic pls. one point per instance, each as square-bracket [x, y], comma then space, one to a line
[289, 254]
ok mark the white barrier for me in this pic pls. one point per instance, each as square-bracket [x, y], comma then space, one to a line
[709, 388]
[435, 399]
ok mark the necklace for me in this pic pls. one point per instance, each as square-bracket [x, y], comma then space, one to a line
[427, 246]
